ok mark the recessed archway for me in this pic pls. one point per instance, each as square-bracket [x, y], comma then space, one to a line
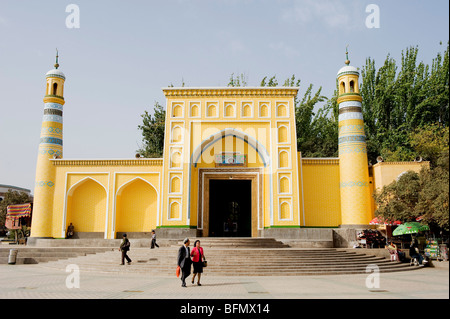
[136, 207]
[251, 141]
[86, 207]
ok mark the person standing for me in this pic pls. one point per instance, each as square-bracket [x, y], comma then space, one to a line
[184, 261]
[124, 248]
[197, 261]
[154, 240]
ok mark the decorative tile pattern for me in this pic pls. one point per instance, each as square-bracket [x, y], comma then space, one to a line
[354, 184]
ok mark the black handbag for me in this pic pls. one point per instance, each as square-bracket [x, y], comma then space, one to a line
[205, 263]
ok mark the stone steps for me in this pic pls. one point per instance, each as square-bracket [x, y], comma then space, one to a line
[35, 255]
[242, 262]
[236, 242]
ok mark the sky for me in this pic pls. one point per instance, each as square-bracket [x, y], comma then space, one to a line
[122, 53]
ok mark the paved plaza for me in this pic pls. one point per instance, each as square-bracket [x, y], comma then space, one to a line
[38, 282]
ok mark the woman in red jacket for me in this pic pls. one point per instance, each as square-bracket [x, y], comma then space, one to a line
[197, 257]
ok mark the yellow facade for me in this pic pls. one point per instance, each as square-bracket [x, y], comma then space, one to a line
[230, 160]
[106, 197]
[256, 122]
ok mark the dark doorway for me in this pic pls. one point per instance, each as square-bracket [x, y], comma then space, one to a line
[230, 208]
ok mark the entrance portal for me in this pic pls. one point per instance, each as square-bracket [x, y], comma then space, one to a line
[230, 208]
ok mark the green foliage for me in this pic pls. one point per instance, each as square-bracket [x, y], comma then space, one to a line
[317, 132]
[396, 104]
[20, 233]
[405, 107]
[271, 83]
[430, 141]
[238, 80]
[11, 198]
[397, 200]
[434, 196]
[153, 132]
[424, 194]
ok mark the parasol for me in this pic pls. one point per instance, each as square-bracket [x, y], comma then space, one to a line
[380, 221]
[410, 228]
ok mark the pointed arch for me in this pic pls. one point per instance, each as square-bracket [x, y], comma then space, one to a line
[283, 134]
[175, 184]
[284, 185]
[136, 206]
[283, 159]
[285, 211]
[207, 142]
[86, 206]
[177, 134]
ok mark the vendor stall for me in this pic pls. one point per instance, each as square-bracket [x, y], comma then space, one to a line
[18, 215]
[18, 220]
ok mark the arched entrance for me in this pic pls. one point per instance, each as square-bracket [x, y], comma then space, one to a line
[230, 196]
[86, 208]
[234, 194]
[230, 208]
[136, 207]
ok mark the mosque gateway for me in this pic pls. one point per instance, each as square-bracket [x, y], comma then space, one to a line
[230, 167]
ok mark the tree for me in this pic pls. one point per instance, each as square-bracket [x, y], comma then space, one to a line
[153, 132]
[317, 132]
[239, 80]
[398, 101]
[430, 142]
[395, 104]
[424, 194]
[397, 201]
[433, 201]
[11, 198]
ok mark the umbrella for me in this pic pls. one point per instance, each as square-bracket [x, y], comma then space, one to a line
[410, 228]
[380, 221]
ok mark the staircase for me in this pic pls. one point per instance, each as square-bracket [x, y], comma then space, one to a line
[236, 257]
[36, 255]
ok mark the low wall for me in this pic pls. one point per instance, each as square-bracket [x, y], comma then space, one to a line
[301, 237]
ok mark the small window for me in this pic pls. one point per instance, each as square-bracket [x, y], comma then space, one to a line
[55, 88]
[352, 86]
[342, 87]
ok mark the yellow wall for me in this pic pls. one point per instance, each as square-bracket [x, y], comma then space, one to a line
[387, 172]
[110, 190]
[321, 192]
[136, 208]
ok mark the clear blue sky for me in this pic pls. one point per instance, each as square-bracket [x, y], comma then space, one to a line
[125, 51]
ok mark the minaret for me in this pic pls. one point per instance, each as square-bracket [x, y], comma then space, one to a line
[50, 146]
[353, 165]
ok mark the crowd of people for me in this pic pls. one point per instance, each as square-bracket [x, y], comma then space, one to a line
[372, 238]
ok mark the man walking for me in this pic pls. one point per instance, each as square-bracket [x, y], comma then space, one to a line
[184, 261]
[124, 248]
[154, 240]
